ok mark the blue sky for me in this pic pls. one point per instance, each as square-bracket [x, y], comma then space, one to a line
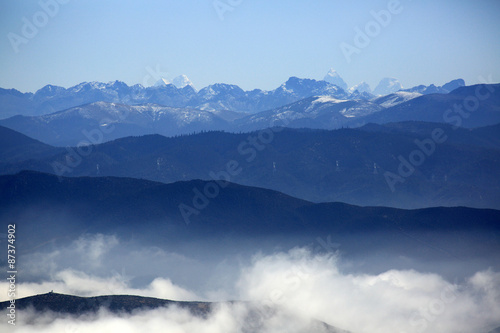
[258, 44]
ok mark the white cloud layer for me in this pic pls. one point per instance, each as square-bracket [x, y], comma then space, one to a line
[394, 301]
[302, 285]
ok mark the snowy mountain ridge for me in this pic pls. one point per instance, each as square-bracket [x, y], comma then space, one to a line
[181, 94]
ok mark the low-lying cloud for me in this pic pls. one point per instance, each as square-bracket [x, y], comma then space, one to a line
[299, 284]
[394, 301]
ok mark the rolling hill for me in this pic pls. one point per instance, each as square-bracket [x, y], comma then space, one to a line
[253, 320]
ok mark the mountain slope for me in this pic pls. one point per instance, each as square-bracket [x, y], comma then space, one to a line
[14, 102]
[395, 98]
[482, 137]
[100, 121]
[319, 112]
[15, 147]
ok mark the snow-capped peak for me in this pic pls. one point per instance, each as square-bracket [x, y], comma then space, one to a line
[334, 78]
[332, 73]
[182, 81]
[161, 82]
[361, 87]
[386, 86]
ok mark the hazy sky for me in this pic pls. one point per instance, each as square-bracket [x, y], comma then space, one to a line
[257, 44]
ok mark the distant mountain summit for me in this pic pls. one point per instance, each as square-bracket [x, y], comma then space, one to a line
[179, 82]
[182, 81]
[387, 86]
[161, 82]
[454, 84]
[334, 78]
[303, 87]
[362, 87]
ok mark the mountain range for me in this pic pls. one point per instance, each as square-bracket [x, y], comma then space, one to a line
[389, 85]
[432, 89]
[218, 96]
[182, 94]
[179, 82]
[211, 188]
[103, 121]
[348, 165]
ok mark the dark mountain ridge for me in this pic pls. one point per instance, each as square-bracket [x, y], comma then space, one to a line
[76, 305]
[348, 165]
[183, 211]
[61, 305]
